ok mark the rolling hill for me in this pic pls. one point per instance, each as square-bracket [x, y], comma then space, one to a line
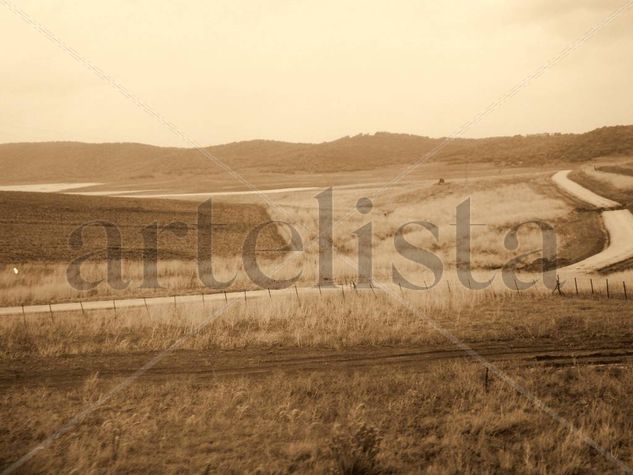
[116, 162]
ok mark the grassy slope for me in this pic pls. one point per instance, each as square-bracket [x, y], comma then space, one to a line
[602, 188]
[623, 169]
[70, 161]
[580, 234]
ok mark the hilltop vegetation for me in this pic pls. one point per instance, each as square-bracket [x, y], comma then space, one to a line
[54, 161]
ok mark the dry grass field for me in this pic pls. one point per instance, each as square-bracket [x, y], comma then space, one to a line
[37, 228]
[497, 204]
[414, 261]
[326, 386]
[435, 419]
[351, 381]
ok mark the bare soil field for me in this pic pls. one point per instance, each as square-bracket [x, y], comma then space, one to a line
[36, 240]
[36, 226]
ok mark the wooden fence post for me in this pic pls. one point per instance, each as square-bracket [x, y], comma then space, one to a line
[626, 297]
[114, 307]
[608, 295]
[591, 282]
[576, 285]
[401, 291]
[297, 292]
[50, 309]
[372, 288]
[557, 288]
[271, 297]
[146, 307]
[83, 312]
[226, 299]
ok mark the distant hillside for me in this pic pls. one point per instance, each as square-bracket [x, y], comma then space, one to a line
[73, 161]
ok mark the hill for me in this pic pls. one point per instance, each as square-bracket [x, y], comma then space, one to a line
[116, 162]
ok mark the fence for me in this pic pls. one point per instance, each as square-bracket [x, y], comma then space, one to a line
[590, 287]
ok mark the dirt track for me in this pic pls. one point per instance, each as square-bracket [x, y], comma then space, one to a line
[617, 222]
[70, 371]
[561, 179]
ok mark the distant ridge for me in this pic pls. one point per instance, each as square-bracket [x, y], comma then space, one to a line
[110, 162]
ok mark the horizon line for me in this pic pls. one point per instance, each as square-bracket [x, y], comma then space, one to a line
[361, 134]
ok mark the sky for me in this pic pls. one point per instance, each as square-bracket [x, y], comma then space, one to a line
[219, 71]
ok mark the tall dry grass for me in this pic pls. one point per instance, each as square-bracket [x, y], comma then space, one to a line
[436, 419]
[496, 204]
[340, 318]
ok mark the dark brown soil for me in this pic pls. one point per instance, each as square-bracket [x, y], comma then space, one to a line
[205, 365]
[36, 226]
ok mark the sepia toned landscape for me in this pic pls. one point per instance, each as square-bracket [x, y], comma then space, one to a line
[330, 302]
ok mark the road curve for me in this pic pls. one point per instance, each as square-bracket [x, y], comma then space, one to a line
[618, 224]
[561, 179]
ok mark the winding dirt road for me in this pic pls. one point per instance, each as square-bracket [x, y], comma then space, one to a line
[617, 222]
[561, 179]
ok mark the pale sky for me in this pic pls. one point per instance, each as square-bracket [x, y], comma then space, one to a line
[309, 71]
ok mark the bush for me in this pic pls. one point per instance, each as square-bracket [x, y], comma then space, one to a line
[355, 450]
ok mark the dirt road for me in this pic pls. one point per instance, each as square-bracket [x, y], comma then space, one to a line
[619, 226]
[617, 222]
[561, 179]
[118, 304]
[73, 370]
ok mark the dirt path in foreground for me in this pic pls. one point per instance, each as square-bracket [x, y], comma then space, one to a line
[204, 365]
